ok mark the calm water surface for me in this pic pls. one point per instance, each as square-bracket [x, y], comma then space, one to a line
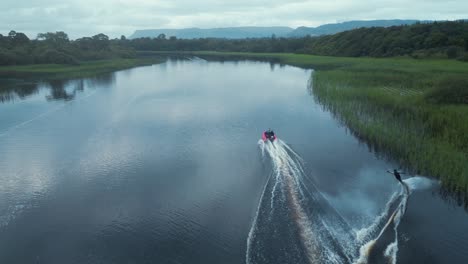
[161, 164]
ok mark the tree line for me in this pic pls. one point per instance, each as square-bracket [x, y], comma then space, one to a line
[56, 47]
[439, 39]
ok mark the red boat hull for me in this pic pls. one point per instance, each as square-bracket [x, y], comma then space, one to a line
[265, 138]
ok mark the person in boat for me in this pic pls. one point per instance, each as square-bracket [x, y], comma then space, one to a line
[397, 174]
[269, 133]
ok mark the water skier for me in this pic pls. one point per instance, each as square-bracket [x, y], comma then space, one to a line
[397, 174]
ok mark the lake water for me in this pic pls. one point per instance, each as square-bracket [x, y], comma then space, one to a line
[163, 164]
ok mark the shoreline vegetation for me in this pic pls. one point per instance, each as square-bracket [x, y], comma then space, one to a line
[85, 69]
[414, 112]
[53, 55]
[437, 40]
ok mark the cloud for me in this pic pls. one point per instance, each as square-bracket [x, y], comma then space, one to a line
[117, 17]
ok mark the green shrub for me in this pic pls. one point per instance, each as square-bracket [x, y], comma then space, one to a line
[453, 52]
[56, 57]
[464, 57]
[7, 57]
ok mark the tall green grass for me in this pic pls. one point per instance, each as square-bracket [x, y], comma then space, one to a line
[427, 138]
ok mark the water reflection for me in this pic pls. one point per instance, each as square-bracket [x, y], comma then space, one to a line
[160, 164]
[58, 89]
[12, 90]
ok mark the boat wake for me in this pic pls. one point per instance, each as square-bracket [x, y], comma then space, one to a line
[294, 223]
[392, 249]
[313, 238]
[392, 215]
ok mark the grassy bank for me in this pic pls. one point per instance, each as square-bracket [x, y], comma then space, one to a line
[86, 69]
[401, 119]
[413, 111]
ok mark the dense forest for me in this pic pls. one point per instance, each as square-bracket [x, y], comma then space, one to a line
[438, 39]
[420, 40]
[57, 48]
[423, 40]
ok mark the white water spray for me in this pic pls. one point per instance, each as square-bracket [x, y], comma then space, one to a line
[408, 185]
[287, 180]
[321, 238]
[253, 229]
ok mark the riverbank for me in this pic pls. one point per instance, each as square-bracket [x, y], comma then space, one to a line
[414, 112]
[86, 69]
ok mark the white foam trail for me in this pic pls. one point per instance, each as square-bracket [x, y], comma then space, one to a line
[365, 234]
[306, 233]
[253, 229]
[277, 175]
[274, 191]
[288, 173]
[411, 184]
[336, 226]
[288, 176]
[392, 249]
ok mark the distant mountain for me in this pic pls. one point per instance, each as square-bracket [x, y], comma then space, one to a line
[230, 33]
[329, 29]
[262, 32]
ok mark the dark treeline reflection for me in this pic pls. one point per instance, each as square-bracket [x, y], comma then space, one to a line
[58, 89]
[11, 90]
[274, 62]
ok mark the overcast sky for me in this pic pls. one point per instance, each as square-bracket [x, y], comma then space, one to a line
[121, 17]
